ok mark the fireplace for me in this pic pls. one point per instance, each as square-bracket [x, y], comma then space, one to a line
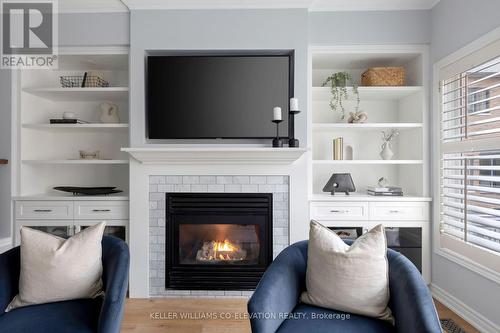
[217, 241]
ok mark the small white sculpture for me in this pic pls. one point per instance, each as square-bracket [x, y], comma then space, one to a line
[357, 117]
[109, 113]
[387, 137]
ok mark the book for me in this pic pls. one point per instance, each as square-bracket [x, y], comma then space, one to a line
[388, 194]
[67, 121]
[385, 189]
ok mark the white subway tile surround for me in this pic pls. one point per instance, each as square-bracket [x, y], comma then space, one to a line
[159, 185]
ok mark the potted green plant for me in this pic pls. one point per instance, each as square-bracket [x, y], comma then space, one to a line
[339, 88]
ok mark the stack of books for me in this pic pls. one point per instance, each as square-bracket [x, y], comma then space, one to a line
[393, 191]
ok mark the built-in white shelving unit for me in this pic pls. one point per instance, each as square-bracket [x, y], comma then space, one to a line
[48, 154]
[388, 107]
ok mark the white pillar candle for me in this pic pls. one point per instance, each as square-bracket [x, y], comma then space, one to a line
[294, 104]
[277, 113]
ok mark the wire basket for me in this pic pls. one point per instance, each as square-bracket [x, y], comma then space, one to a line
[76, 81]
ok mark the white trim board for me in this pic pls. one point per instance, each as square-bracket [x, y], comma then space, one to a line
[470, 315]
[311, 5]
[456, 258]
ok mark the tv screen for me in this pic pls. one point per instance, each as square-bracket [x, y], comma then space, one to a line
[209, 97]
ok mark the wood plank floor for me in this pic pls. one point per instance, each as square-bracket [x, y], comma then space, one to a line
[163, 315]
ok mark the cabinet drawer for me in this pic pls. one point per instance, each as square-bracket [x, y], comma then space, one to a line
[40, 210]
[346, 211]
[92, 210]
[393, 211]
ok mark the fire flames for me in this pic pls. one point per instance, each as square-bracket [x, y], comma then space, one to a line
[220, 251]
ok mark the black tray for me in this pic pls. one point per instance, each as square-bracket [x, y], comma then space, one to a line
[87, 190]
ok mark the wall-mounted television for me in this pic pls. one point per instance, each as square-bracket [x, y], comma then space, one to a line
[212, 96]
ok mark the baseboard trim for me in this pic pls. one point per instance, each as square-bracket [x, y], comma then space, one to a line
[5, 244]
[470, 315]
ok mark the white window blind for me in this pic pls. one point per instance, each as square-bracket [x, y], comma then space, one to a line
[470, 156]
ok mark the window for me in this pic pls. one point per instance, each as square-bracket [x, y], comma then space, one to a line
[470, 158]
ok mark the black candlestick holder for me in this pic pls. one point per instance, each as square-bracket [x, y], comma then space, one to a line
[292, 142]
[277, 141]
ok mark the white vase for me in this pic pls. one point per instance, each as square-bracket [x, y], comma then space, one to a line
[386, 152]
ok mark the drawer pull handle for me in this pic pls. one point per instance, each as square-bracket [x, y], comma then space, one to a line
[101, 210]
[42, 210]
[339, 211]
[394, 211]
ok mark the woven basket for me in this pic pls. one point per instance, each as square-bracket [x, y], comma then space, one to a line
[383, 76]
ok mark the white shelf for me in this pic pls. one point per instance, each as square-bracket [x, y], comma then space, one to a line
[370, 93]
[369, 162]
[76, 162]
[75, 126]
[364, 197]
[80, 94]
[332, 126]
[70, 197]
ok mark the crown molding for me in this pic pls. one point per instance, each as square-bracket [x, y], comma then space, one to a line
[371, 5]
[124, 6]
[312, 5]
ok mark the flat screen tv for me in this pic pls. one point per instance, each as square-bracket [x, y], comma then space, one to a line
[218, 96]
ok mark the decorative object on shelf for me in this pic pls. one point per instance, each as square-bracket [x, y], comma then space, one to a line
[294, 109]
[387, 137]
[109, 113]
[383, 76]
[382, 189]
[383, 182]
[358, 117]
[348, 153]
[389, 191]
[68, 115]
[78, 190]
[89, 155]
[277, 119]
[88, 80]
[338, 87]
[340, 182]
[338, 149]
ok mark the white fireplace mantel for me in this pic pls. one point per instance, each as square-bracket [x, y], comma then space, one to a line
[215, 155]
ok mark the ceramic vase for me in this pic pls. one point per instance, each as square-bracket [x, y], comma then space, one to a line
[386, 152]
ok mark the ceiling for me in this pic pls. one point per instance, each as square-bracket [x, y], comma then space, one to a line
[106, 6]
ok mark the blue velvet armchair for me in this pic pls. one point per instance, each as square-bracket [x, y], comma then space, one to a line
[275, 306]
[103, 314]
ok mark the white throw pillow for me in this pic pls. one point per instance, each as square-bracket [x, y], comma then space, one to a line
[56, 269]
[352, 279]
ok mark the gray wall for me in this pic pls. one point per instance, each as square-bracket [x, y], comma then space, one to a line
[94, 29]
[455, 23]
[373, 27]
[212, 30]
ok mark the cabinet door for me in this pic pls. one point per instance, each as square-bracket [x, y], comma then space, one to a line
[116, 228]
[60, 228]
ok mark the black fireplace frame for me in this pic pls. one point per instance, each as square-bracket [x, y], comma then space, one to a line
[214, 276]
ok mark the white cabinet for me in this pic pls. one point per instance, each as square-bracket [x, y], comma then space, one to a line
[64, 218]
[406, 222]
